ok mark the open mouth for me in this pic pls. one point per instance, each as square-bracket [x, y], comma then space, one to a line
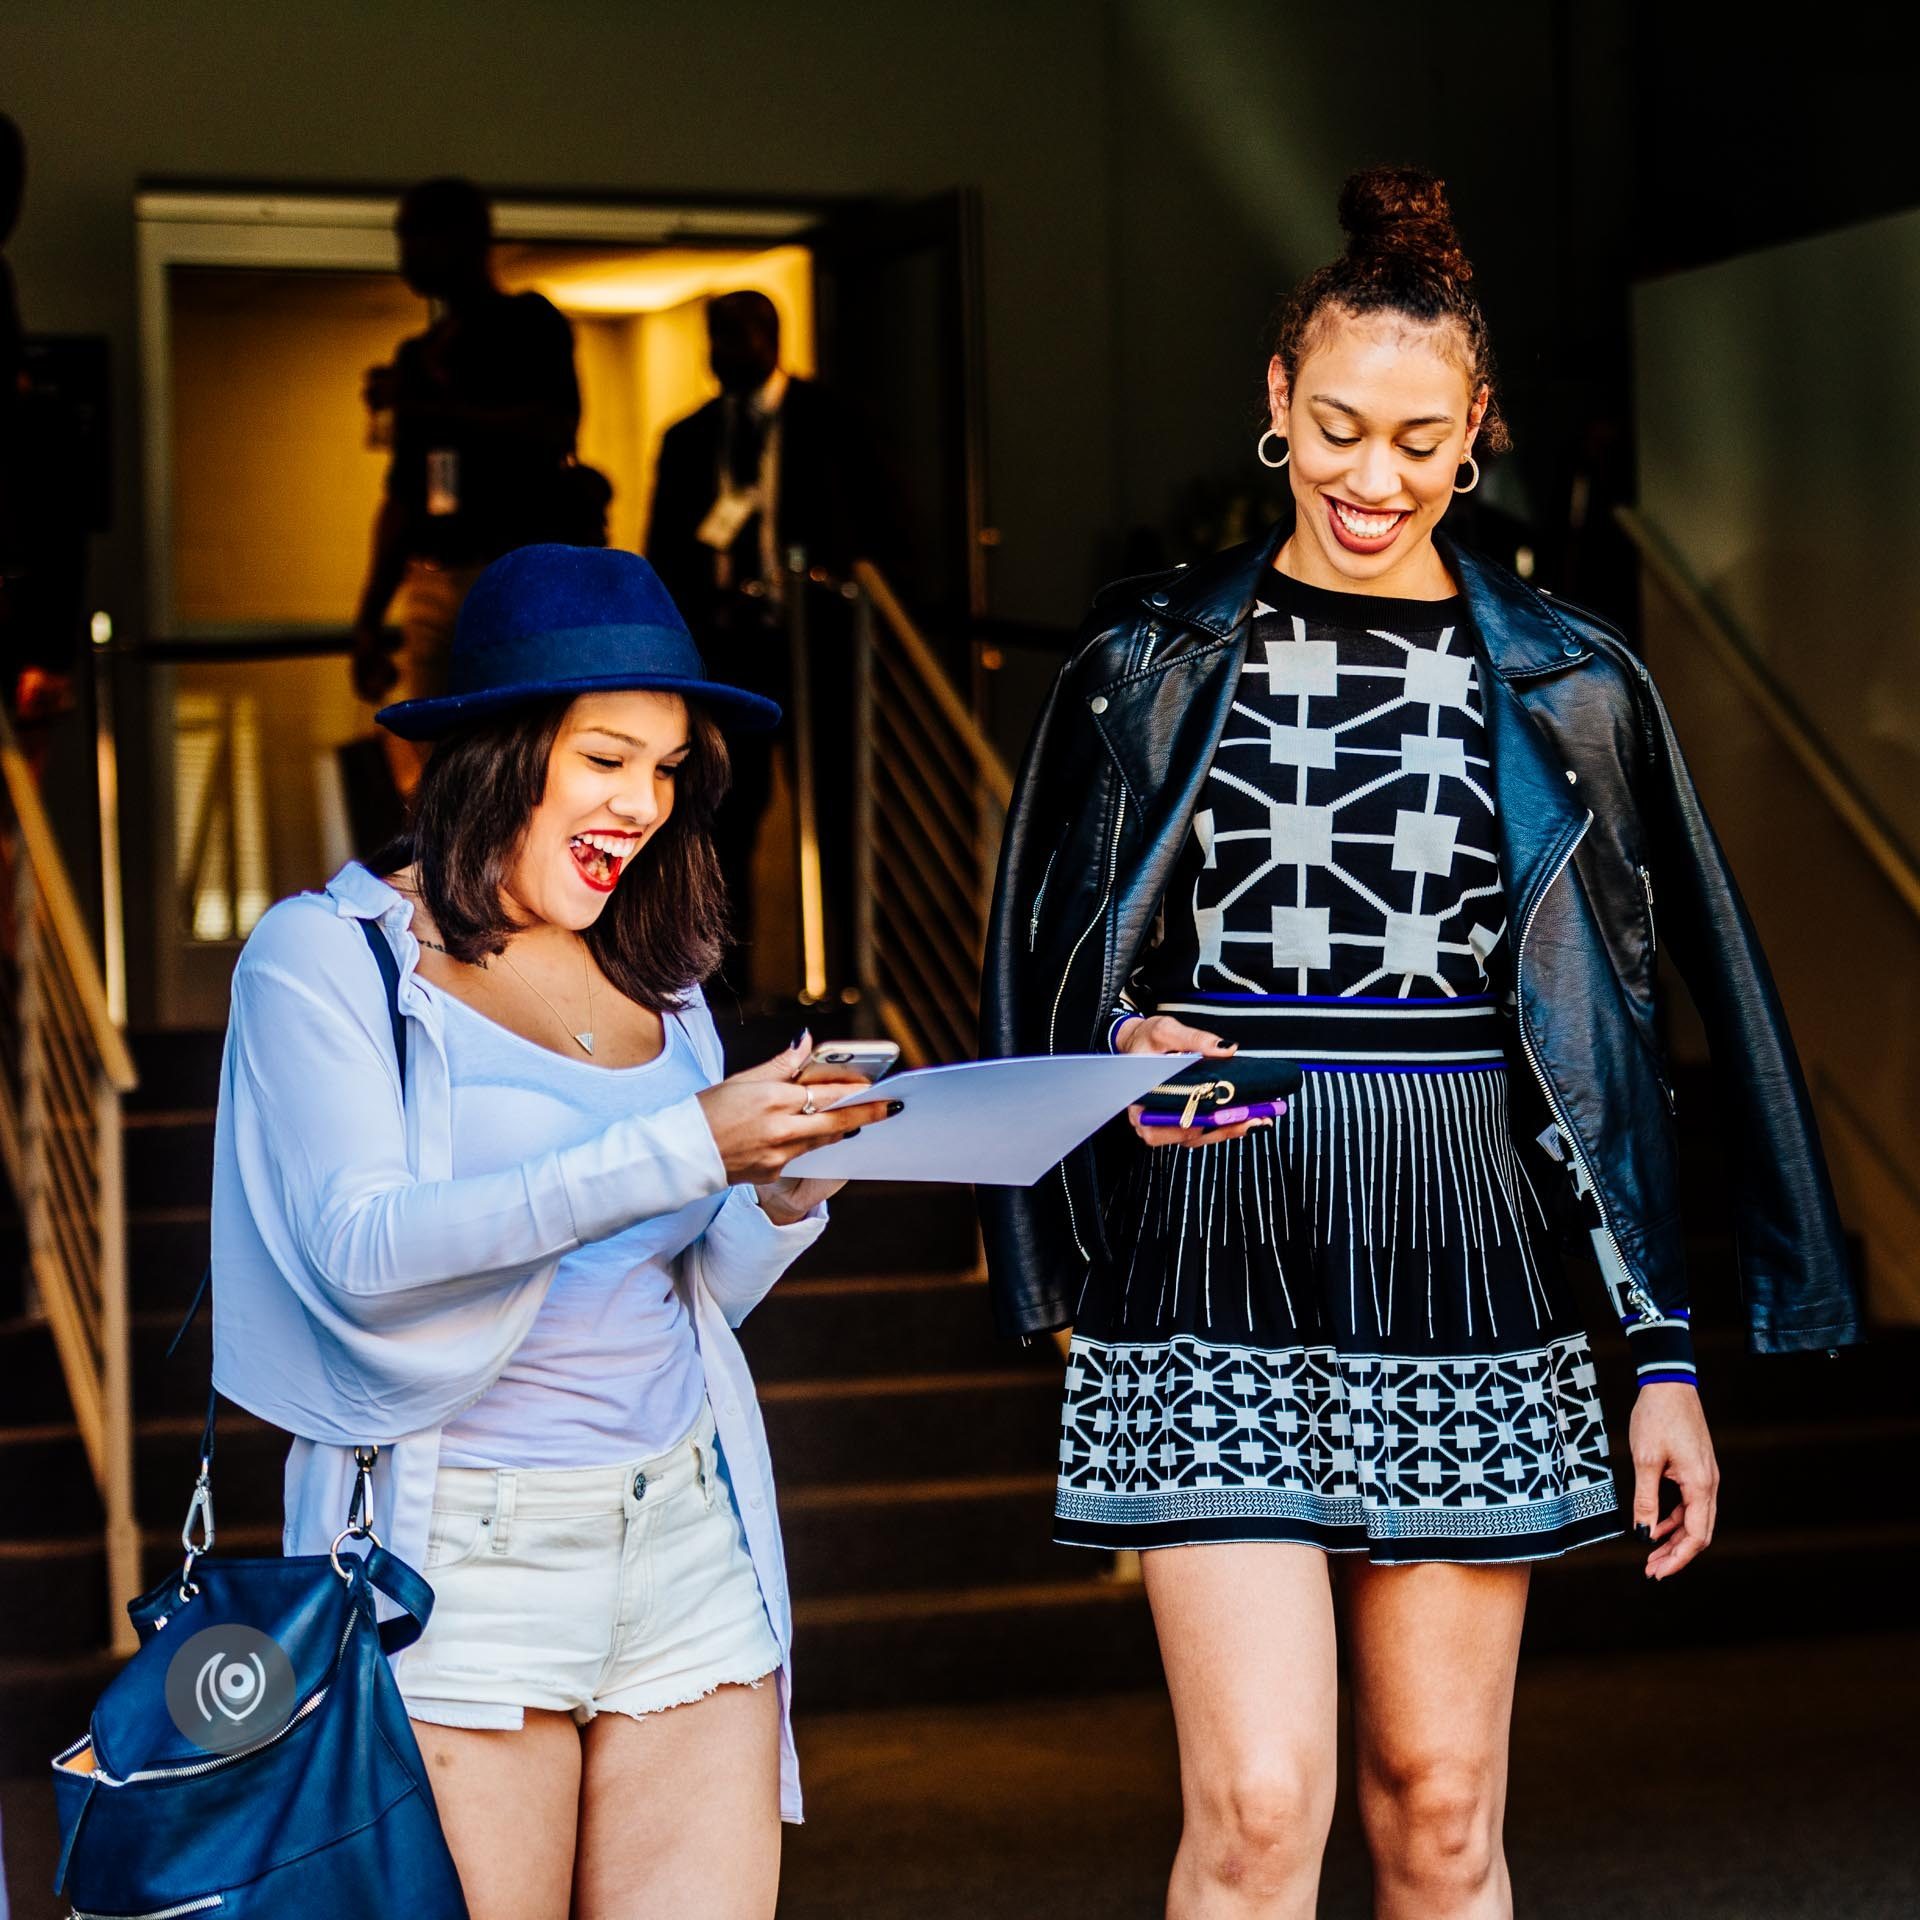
[1363, 532]
[598, 857]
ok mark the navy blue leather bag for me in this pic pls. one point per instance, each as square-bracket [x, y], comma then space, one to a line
[254, 1757]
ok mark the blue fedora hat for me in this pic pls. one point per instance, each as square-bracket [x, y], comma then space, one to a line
[551, 619]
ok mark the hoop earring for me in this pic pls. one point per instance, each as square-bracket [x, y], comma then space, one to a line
[1474, 482]
[1260, 448]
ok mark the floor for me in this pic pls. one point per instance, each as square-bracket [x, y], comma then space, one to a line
[1759, 1783]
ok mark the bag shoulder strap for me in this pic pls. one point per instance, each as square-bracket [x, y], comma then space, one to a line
[390, 979]
[405, 1588]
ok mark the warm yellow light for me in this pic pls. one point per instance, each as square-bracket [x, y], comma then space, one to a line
[631, 282]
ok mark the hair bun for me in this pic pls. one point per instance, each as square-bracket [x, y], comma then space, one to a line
[1401, 211]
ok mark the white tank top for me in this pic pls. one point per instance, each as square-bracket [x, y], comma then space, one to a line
[609, 1371]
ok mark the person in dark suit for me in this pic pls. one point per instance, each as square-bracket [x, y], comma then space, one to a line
[768, 465]
[43, 528]
[484, 408]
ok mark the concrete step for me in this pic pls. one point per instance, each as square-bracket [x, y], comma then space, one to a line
[892, 1427]
[1084, 1634]
[53, 1593]
[169, 1157]
[178, 1068]
[1774, 1582]
[44, 1705]
[1094, 1634]
[803, 1329]
[166, 1255]
[897, 1427]
[824, 1326]
[921, 1534]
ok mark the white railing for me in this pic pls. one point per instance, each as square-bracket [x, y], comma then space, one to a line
[932, 796]
[64, 1068]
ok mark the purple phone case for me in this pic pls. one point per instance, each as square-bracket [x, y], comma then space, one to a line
[1255, 1110]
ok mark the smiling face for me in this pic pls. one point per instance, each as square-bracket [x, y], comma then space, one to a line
[1378, 417]
[609, 791]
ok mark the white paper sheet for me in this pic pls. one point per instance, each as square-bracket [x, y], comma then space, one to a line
[990, 1123]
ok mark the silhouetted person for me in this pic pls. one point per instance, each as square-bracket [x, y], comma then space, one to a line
[768, 465]
[43, 532]
[485, 407]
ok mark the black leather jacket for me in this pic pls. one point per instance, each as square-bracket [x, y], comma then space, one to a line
[1597, 818]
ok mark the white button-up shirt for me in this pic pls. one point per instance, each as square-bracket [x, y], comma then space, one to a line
[362, 1294]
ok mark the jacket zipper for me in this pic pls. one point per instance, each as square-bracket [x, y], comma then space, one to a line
[220, 1760]
[1033, 923]
[205, 1904]
[1635, 1291]
[1053, 1024]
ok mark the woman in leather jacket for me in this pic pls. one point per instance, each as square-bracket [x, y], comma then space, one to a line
[1352, 796]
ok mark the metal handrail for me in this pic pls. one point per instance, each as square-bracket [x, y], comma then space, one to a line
[67, 1069]
[931, 799]
[1797, 734]
[984, 755]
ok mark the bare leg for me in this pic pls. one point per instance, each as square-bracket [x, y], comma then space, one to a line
[1246, 1635]
[1431, 1650]
[507, 1805]
[680, 1811]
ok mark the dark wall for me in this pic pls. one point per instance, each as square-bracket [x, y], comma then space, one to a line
[1153, 176]
[1745, 135]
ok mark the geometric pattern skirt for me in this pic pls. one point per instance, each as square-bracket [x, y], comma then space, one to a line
[1348, 1329]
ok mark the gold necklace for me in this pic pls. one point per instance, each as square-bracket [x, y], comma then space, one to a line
[585, 1039]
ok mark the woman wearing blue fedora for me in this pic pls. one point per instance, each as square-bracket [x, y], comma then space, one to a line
[484, 1200]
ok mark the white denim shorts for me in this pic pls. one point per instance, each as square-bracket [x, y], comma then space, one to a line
[622, 1589]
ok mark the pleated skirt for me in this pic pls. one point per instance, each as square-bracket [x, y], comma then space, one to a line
[1350, 1329]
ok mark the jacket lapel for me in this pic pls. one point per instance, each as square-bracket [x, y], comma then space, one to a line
[1173, 703]
[1536, 808]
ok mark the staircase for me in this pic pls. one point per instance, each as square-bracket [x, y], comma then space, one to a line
[914, 1453]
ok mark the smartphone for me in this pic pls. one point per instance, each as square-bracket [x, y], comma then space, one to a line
[850, 1060]
[1255, 1110]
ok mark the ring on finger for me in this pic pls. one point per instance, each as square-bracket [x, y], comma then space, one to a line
[810, 1107]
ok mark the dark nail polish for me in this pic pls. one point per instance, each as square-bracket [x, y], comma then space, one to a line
[896, 1106]
[1642, 1531]
[850, 1133]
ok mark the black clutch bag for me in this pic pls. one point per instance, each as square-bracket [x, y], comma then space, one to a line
[1209, 1085]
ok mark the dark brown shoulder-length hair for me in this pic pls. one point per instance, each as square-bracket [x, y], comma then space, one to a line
[665, 923]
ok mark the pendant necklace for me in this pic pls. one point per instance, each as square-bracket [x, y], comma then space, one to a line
[585, 1038]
